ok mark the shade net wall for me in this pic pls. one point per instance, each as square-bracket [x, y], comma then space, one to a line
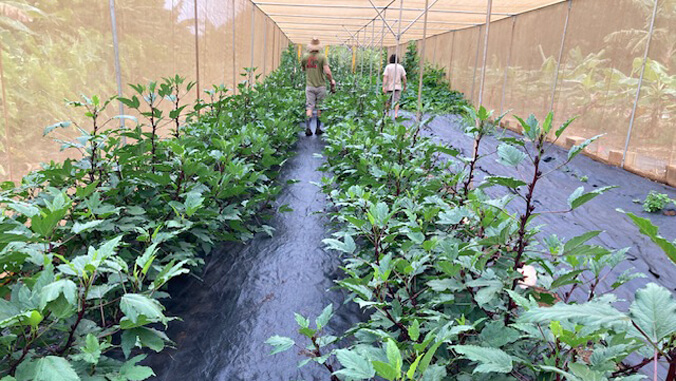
[54, 52]
[592, 73]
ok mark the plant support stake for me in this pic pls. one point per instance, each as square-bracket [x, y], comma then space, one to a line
[640, 82]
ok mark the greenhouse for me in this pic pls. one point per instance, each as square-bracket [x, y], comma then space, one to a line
[426, 190]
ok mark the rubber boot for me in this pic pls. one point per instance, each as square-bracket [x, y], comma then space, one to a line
[308, 131]
[319, 127]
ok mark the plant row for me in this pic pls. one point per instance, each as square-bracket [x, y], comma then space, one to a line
[88, 245]
[458, 285]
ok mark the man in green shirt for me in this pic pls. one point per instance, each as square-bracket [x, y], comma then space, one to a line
[317, 70]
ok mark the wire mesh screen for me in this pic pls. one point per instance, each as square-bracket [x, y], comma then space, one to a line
[58, 52]
[588, 55]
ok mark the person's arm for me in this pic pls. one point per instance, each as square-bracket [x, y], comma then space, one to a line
[329, 75]
[385, 80]
[403, 82]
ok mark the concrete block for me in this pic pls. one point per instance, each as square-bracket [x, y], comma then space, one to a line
[671, 175]
[574, 141]
[615, 158]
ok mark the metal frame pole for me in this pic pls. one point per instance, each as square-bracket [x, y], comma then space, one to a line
[421, 69]
[253, 40]
[476, 63]
[197, 55]
[373, 39]
[558, 64]
[450, 62]
[265, 49]
[118, 70]
[640, 83]
[489, 10]
[396, 51]
[509, 61]
[234, 49]
[380, 55]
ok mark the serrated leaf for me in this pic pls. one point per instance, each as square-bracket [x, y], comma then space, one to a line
[491, 360]
[323, 319]
[646, 227]
[508, 182]
[279, 344]
[578, 148]
[654, 311]
[578, 197]
[354, 365]
[509, 155]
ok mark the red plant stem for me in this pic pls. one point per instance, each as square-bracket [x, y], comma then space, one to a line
[472, 164]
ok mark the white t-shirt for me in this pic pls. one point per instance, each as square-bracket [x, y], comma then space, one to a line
[389, 72]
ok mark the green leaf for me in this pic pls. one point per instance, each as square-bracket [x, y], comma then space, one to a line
[52, 291]
[414, 330]
[134, 372]
[54, 126]
[427, 359]
[354, 365]
[654, 311]
[394, 355]
[578, 197]
[279, 344]
[135, 306]
[491, 360]
[579, 240]
[578, 148]
[508, 182]
[80, 227]
[49, 368]
[509, 155]
[646, 227]
[385, 370]
[592, 313]
[193, 202]
[323, 319]
[563, 127]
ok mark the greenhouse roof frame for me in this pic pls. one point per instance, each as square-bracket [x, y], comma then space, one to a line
[338, 18]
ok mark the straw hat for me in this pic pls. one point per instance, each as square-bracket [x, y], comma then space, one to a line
[314, 45]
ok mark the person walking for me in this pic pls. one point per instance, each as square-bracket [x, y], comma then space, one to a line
[394, 77]
[317, 70]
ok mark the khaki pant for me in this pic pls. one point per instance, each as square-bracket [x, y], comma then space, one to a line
[314, 97]
[397, 96]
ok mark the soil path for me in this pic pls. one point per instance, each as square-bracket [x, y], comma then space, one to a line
[250, 292]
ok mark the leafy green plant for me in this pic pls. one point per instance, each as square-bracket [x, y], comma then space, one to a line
[655, 202]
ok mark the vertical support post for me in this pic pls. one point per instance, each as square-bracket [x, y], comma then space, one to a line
[382, 42]
[197, 54]
[640, 83]
[396, 50]
[421, 69]
[116, 58]
[489, 11]
[476, 63]
[558, 63]
[450, 62]
[234, 47]
[253, 40]
[509, 62]
[265, 45]
[5, 116]
[354, 58]
[274, 51]
[373, 41]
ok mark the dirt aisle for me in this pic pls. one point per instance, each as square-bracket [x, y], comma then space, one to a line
[250, 292]
[599, 214]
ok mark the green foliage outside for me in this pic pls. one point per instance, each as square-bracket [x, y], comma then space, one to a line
[87, 246]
